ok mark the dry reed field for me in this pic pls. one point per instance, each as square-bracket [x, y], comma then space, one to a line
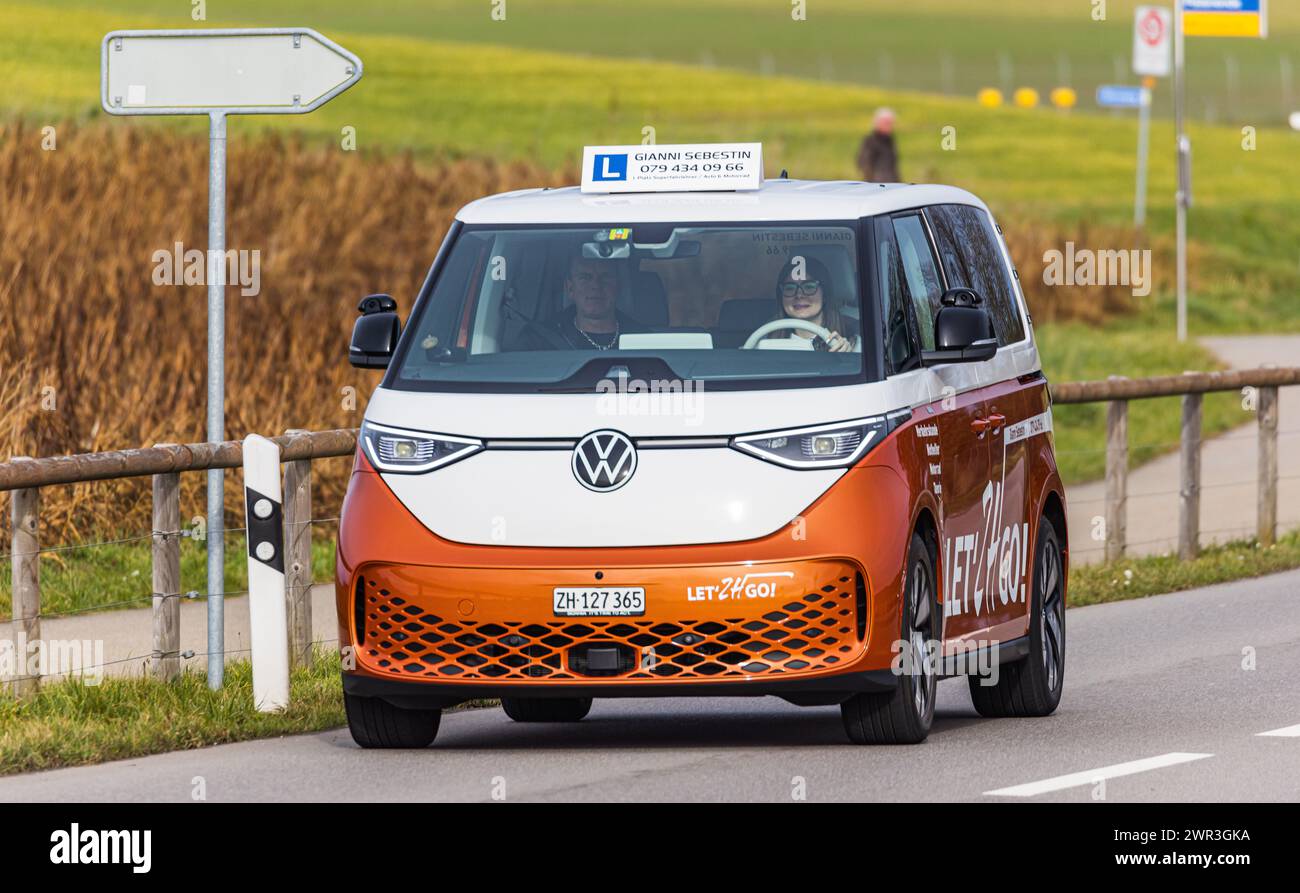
[95, 356]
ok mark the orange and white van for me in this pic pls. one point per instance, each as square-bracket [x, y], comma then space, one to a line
[683, 431]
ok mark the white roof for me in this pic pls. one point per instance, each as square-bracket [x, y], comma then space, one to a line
[776, 200]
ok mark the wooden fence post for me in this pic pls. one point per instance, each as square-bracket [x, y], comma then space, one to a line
[1267, 482]
[1189, 487]
[25, 510]
[297, 564]
[1116, 478]
[166, 576]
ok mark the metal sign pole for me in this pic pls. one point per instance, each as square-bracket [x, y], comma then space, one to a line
[218, 73]
[1144, 152]
[1184, 159]
[216, 395]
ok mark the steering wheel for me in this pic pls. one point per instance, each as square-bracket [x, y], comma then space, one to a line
[820, 331]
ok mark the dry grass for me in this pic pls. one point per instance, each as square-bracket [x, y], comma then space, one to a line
[98, 357]
[1029, 242]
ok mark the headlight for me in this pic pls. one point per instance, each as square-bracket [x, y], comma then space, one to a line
[396, 449]
[821, 446]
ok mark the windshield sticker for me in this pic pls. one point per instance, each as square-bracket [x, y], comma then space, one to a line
[804, 235]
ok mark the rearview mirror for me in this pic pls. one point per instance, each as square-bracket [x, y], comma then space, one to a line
[963, 331]
[374, 334]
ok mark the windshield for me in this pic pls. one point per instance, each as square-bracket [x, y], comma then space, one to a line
[731, 306]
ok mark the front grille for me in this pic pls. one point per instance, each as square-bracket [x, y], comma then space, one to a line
[811, 632]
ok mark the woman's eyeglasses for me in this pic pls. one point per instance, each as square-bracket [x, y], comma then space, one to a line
[808, 288]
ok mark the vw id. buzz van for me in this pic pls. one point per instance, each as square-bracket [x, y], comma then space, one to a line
[683, 431]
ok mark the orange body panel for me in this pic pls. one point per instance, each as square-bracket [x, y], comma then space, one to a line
[852, 529]
[437, 612]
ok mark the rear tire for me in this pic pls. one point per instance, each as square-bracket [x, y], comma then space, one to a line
[374, 722]
[904, 715]
[1032, 685]
[546, 709]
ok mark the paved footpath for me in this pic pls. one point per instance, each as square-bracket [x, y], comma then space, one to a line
[128, 634]
[1228, 471]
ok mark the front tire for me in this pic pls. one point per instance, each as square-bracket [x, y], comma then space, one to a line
[904, 715]
[1032, 685]
[374, 722]
[546, 709]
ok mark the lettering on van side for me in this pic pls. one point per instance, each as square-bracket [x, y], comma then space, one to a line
[972, 559]
[744, 586]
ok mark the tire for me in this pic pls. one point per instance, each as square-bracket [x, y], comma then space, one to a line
[904, 715]
[374, 722]
[546, 709]
[1032, 685]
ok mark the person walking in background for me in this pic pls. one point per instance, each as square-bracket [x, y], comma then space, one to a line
[878, 156]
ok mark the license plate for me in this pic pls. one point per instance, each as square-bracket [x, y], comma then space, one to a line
[599, 601]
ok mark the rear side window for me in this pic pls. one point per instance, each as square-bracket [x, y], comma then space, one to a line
[972, 257]
[923, 280]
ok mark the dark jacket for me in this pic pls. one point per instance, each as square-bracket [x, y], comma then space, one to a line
[878, 158]
[561, 333]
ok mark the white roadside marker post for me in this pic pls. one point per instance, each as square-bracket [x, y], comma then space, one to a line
[268, 623]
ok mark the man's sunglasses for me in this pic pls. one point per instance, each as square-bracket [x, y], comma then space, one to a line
[808, 288]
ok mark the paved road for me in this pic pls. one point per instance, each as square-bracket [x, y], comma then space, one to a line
[1228, 471]
[1157, 679]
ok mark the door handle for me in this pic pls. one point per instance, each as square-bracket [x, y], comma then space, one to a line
[979, 426]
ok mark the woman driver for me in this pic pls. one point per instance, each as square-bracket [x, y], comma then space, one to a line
[812, 299]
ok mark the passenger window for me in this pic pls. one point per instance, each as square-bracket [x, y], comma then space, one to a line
[972, 257]
[900, 350]
[921, 273]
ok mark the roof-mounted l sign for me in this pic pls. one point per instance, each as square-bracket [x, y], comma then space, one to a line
[240, 71]
[706, 167]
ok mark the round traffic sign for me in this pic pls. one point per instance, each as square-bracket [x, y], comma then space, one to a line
[1152, 28]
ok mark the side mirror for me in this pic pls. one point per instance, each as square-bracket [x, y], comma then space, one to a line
[963, 331]
[374, 335]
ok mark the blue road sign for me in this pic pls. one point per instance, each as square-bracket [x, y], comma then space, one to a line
[1119, 96]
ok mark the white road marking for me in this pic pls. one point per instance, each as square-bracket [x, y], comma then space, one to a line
[1288, 732]
[1074, 779]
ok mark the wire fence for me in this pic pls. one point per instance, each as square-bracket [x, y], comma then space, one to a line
[145, 660]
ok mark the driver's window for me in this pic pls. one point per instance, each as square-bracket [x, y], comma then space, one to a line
[921, 272]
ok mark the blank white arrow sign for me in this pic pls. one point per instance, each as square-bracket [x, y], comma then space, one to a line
[244, 71]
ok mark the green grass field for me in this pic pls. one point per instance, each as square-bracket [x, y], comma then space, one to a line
[73, 723]
[938, 46]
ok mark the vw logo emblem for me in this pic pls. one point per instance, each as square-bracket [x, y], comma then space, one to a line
[604, 461]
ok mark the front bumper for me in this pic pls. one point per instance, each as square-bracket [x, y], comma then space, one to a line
[466, 624]
[803, 611]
